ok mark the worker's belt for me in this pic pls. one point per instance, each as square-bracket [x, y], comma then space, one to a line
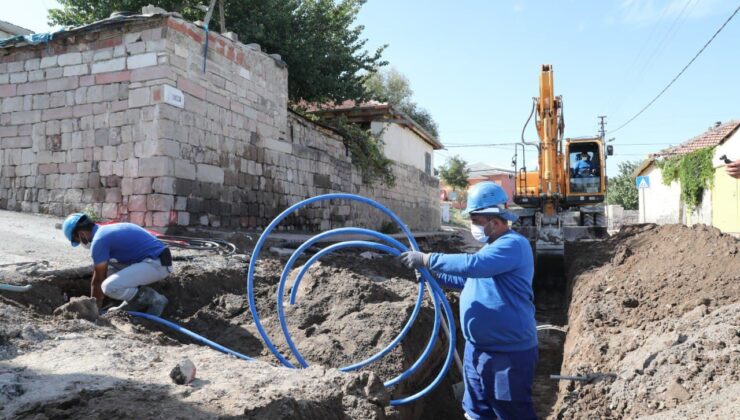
[166, 258]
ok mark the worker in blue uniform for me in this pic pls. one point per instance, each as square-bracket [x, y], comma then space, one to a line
[496, 307]
[126, 259]
[584, 167]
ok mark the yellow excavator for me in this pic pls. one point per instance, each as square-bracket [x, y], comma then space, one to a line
[560, 200]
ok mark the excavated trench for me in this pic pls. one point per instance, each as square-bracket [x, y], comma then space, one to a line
[551, 305]
[348, 308]
[643, 308]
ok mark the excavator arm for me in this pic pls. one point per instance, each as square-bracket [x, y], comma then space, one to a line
[557, 207]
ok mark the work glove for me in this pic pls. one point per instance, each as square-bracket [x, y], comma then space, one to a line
[414, 259]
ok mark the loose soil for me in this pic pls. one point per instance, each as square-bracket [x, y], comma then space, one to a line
[654, 319]
[654, 312]
[348, 309]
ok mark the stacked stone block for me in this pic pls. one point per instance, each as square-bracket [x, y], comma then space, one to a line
[85, 123]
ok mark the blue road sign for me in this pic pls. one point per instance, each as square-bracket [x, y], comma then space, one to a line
[642, 182]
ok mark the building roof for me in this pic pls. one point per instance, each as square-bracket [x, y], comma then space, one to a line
[14, 29]
[376, 111]
[715, 136]
[484, 170]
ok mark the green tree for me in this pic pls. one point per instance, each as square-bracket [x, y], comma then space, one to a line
[622, 189]
[454, 174]
[318, 39]
[393, 87]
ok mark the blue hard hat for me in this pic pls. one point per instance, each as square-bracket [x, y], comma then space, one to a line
[489, 198]
[69, 225]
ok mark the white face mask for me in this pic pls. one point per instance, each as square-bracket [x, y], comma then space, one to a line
[87, 245]
[479, 232]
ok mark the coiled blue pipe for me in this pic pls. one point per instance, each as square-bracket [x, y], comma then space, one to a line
[437, 295]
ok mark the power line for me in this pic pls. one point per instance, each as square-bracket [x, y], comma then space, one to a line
[511, 144]
[639, 75]
[679, 73]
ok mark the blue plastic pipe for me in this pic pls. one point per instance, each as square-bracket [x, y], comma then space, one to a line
[14, 288]
[191, 334]
[294, 289]
[392, 247]
[437, 293]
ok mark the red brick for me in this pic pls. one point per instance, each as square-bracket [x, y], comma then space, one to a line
[192, 88]
[107, 43]
[157, 93]
[240, 58]
[113, 77]
[7, 90]
[197, 37]
[176, 25]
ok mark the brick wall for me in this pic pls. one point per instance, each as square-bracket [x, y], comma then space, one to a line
[88, 122]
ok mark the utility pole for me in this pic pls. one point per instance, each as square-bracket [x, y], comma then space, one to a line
[602, 125]
[602, 134]
[221, 20]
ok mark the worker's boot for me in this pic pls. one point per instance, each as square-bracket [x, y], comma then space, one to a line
[132, 304]
[145, 299]
[153, 302]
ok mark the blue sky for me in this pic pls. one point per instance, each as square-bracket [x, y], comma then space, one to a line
[474, 65]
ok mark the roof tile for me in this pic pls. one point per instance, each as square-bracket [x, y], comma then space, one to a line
[712, 137]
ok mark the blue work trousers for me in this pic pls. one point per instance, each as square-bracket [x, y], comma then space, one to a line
[498, 385]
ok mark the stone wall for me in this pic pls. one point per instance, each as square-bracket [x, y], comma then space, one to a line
[617, 216]
[122, 119]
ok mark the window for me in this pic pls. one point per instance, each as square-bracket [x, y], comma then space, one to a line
[428, 163]
[585, 168]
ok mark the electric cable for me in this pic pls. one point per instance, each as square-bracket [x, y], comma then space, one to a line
[679, 73]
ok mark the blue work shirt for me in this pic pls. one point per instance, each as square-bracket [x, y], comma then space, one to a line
[126, 242]
[497, 301]
[583, 168]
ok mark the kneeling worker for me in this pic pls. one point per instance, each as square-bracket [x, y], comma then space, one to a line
[137, 258]
[496, 307]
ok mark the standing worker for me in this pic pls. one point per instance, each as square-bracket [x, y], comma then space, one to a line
[137, 258]
[496, 307]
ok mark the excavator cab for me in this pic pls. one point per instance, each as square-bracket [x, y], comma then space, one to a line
[585, 178]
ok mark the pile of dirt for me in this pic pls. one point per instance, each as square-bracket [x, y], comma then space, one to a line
[79, 308]
[347, 309]
[653, 322]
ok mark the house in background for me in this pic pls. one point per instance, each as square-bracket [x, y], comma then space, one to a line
[720, 207]
[405, 141]
[8, 30]
[479, 172]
